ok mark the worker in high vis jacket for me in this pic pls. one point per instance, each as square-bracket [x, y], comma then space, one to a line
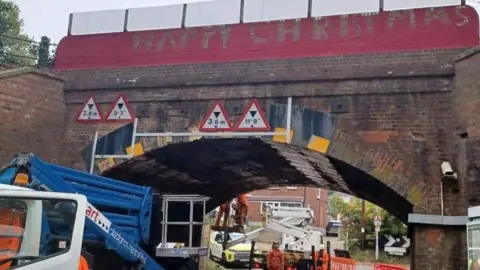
[275, 258]
[241, 209]
[323, 261]
[83, 265]
[225, 212]
[12, 224]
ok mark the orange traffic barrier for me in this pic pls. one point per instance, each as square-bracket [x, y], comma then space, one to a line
[381, 266]
[342, 264]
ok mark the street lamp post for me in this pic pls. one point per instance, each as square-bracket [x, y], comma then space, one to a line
[378, 223]
[345, 244]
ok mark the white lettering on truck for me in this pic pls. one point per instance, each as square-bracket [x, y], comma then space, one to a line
[100, 220]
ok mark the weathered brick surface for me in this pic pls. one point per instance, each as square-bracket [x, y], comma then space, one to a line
[32, 112]
[412, 107]
[439, 248]
[374, 66]
[396, 124]
[466, 105]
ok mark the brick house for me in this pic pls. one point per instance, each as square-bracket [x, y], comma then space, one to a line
[290, 196]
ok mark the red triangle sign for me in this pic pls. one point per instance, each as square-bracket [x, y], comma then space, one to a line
[120, 110]
[216, 119]
[253, 118]
[90, 112]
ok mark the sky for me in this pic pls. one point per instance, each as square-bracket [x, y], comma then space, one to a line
[50, 17]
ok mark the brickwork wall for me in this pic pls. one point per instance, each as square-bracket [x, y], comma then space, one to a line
[394, 126]
[466, 104]
[439, 248]
[394, 109]
[32, 112]
[178, 81]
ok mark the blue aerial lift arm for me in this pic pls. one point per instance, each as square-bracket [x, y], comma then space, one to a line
[123, 224]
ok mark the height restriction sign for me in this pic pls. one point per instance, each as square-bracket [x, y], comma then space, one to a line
[216, 119]
[90, 112]
[253, 118]
[120, 110]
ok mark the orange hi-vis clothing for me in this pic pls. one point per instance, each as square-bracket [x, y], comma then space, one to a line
[243, 200]
[323, 261]
[275, 260]
[225, 211]
[242, 209]
[11, 232]
[83, 265]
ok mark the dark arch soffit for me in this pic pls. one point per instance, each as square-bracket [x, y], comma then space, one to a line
[225, 168]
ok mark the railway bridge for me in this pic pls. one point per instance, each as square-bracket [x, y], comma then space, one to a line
[366, 104]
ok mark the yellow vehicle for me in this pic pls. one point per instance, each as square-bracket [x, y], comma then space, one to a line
[236, 255]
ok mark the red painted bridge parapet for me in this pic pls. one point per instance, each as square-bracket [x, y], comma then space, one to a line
[393, 31]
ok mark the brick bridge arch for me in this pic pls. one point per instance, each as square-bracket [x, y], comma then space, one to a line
[390, 77]
[225, 168]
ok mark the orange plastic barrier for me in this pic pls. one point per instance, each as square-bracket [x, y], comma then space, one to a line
[343, 264]
[381, 266]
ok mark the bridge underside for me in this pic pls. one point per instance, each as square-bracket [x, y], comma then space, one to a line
[224, 168]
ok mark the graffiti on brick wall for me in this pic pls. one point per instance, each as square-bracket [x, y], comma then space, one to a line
[380, 162]
[297, 38]
[323, 28]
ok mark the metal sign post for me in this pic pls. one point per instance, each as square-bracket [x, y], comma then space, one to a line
[378, 223]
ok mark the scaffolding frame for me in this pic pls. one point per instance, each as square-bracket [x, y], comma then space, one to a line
[136, 134]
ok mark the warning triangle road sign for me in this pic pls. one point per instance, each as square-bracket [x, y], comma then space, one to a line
[253, 118]
[120, 110]
[216, 119]
[90, 111]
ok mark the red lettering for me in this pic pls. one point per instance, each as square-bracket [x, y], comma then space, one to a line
[460, 15]
[92, 213]
[309, 37]
[89, 211]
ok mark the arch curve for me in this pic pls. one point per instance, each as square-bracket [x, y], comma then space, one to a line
[225, 168]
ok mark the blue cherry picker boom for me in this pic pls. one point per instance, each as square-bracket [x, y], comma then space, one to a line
[121, 228]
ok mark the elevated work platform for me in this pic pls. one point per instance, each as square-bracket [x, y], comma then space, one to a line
[118, 213]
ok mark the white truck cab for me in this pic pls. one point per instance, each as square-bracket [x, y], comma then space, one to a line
[22, 213]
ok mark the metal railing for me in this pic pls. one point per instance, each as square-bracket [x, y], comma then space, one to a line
[137, 134]
[240, 16]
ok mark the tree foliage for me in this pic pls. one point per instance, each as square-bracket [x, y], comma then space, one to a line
[46, 57]
[351, 216]
[15, 46]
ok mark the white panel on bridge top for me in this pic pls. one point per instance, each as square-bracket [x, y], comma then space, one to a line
[148, 18]
[213, 13]
[271, 10]
[96, 22]
[340, 7]
[408, 4]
